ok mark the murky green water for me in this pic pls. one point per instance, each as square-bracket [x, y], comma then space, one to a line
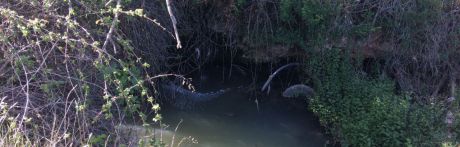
[234, 121]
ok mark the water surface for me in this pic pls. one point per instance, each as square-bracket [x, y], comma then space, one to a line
[235, 121]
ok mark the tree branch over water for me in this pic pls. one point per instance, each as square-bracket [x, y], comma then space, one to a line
[270, 78]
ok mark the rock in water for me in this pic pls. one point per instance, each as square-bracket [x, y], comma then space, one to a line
[298, 90]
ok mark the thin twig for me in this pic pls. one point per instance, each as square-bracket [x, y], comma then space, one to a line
[175, 131]
[26, 92]
[108, 3]
[113, 25]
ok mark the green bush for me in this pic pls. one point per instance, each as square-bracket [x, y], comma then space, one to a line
[426, 125]
[359, 111]
[312, 20]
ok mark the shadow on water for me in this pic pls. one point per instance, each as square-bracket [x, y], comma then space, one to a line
[235, 120]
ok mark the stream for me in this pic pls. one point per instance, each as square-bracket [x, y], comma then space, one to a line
[235, 120]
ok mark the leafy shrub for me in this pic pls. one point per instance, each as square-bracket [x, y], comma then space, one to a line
[65, 65]
[312, 18]
[359, 111]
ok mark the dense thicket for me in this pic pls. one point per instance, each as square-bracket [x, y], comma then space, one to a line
[385, 71]
[68, 73]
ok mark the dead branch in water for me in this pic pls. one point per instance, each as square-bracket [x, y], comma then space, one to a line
[270, 78]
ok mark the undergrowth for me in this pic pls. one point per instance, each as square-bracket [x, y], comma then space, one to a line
[362, 111]
[68, 75]
[71, 70]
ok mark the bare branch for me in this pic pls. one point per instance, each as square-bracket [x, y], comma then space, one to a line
[112, 27]
[270, 78]
[174, 22]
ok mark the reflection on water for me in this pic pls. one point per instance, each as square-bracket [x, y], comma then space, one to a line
[233, 121]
